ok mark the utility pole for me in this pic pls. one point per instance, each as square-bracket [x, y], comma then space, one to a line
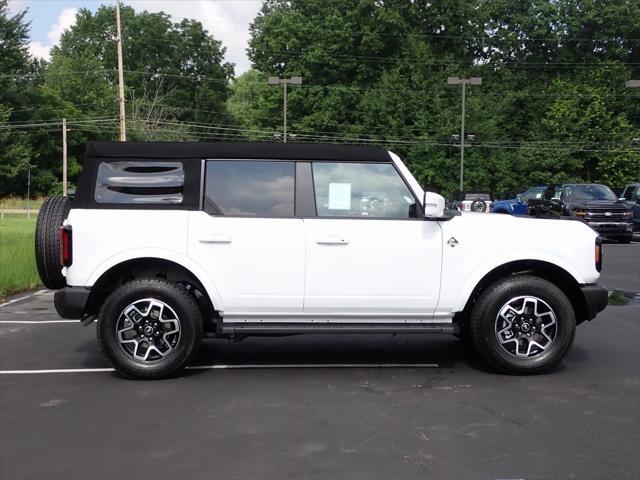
[64, 157]
[123, 128]
[29, 193]
[284, 82]
[463, 81]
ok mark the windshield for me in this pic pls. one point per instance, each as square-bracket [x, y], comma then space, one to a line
[535, 192]
[589, 192]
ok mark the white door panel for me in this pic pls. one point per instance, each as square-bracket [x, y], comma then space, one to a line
[372, 266]
[257, 264]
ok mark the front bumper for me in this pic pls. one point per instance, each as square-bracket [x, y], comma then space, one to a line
[596, 299]
[605, 228]
[70, 302]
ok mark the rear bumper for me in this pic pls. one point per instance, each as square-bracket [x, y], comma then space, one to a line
[596, 299]
[70, 302]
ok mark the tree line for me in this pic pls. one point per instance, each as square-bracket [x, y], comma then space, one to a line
[552, 106]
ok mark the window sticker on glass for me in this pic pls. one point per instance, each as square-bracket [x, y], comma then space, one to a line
[538, 195]
[339, 196]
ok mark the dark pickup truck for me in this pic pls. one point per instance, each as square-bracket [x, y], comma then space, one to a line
[596, 204]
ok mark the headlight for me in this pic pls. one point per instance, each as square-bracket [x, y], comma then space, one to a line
[580, 213]
[628, 214]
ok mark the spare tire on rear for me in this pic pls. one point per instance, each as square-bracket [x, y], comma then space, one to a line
[478, 205]
[52, 214]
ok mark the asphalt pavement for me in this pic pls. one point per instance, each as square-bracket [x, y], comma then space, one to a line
[323, 406]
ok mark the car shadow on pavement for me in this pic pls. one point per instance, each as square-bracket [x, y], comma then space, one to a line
[334, 349]
[359, 351]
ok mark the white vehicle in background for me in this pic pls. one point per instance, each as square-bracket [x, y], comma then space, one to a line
[166, 243]
[473, 202]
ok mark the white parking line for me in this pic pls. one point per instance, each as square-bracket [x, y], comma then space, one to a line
[23, 298]
[237, 367]
[58, 370]
[26, 322]
[314, 365]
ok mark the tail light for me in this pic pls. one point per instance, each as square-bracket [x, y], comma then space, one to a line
[598, 254]
[66, 246]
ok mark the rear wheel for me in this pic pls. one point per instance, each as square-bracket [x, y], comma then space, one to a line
[150, 328]
[522, 325]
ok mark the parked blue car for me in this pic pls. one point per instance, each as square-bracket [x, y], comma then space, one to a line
[518, 205]
[631, 195]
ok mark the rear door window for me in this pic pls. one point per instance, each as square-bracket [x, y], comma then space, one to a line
[250, 188]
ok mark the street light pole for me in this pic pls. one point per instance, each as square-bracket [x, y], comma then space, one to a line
[463, 82]
[284, 127]
[64, 157]
[634, 84]
[284, 82]
[464, 89]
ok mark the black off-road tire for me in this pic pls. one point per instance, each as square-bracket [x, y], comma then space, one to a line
[464, 336]
[484, 316]
[177, 298]
[52, 214]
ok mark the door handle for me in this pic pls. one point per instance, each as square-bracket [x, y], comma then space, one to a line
[332, 240]
[215, 238]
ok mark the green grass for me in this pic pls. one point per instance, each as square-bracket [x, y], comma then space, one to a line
[618, 298]
[17, 259]
[21, 203]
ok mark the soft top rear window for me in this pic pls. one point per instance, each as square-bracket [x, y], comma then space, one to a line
[130, 182]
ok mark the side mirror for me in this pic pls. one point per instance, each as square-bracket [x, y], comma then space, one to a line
[433, 204]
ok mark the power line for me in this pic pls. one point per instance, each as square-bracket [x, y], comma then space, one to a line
[331, 87]
[240, 134]
[55, 108]
[38, 125]
[225, 129]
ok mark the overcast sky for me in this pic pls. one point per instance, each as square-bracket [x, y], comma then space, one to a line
[227, 20]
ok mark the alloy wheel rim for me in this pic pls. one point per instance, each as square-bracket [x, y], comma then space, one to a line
[148, 330]
[526, 326]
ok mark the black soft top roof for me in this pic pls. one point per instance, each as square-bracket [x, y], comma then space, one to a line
[200, 150]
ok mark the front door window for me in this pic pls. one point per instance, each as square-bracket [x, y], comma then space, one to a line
[361, 190]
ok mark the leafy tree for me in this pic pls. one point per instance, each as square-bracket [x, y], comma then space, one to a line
[377, 70]
[181, 62]
[254, 105]
[15, 66]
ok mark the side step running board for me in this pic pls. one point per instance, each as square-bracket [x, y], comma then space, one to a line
[293, 328]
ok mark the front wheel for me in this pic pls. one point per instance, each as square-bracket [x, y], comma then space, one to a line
[149, 328]
[523, 325]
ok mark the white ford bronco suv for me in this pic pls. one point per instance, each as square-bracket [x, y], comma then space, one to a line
[167, 243]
